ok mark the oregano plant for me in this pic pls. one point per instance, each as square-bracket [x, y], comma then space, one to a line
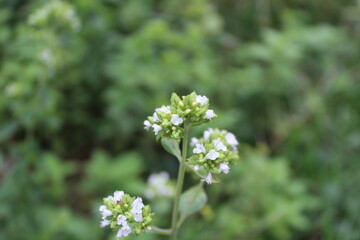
[212, 155]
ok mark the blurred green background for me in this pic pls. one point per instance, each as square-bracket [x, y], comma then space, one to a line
[78, 78]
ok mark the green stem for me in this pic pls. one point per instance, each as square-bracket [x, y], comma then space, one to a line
[179, 184]
[160, 230]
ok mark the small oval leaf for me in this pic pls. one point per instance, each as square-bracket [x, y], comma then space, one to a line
[192, 200]
[171, 146]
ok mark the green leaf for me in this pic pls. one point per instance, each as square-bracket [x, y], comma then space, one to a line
[174, 100]
[192, 200]
[171, 146]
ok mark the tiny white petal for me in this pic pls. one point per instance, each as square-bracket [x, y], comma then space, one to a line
[156, 128]
[212, 154]
[209, 114]
[118, 196]
[137, 204]
[136, 210]
[104, 223]
[201, 99]
[199, 148]
[104, 212]
[176, 119]
[224, 168]
[207, 133]
[138, 217]
[164, 109]
[196, 167]
[123, 232]
[121, 220]
[147, 124]
[155, 117]
[208, 179]
[219, 145]
[194, 141]
[231, 139]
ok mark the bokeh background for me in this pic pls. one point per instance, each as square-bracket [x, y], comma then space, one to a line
[79, 77]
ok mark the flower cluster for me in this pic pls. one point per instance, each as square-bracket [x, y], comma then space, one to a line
[168, 121]
[159, 185]
[125, 214]
[60, 13]
[213, 153]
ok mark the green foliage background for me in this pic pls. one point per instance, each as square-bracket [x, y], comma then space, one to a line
[78, 78]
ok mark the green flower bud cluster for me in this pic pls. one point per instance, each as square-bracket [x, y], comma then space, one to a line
[125, 214]
[168, 121]
[213, 154]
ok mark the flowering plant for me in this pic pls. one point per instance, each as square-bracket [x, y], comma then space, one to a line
[213, 154]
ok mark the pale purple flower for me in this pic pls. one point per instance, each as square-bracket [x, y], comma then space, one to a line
[199, 148]
[224, 168]
[136, 210]
[201, 99]
[194, 141]
[104, 223]
[156, 128]
[123, 231]
[147, 124]
[209, 114]
[231, 139]
[212, 155]
[164, 109]
[104, 212]
[155, 117]
[176, 119]
[219, 145]
[207, 133]
[208, 179]
[121, 220]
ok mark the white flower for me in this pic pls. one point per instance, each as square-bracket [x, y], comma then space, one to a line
[219, 145]
[158, 185]
[212, 155]
[124, 231]
[121, 220]
[104, 223]
[196, 167]
[137, 204]
[231, 139]
[164, 109]
[209, 114]
[176, 119]
[147, 124]
[207, 133]
[104, 212]
[194, 141]
[138, 217]
[136, 210]
[201, 99]
[224, 168]
[208, 179]
[117, 196]
[155, 117]
[156, 128]
[199, 148]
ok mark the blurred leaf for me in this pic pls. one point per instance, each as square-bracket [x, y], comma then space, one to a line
[192, 200]
[171, 146]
